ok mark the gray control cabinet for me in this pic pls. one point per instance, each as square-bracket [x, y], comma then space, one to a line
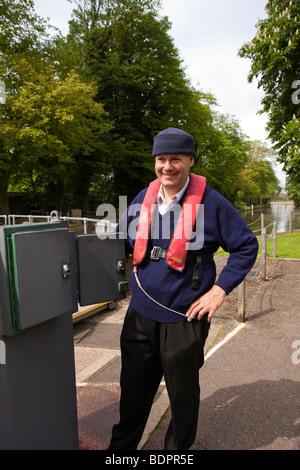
[44, 273]
[44, 290]
[101, 269]
[34, 283]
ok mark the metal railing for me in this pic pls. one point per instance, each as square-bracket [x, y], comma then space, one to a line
[103, 226]
[262, 266]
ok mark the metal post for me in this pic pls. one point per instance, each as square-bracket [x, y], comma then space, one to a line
[274, 239]
[241, 301]
[263, 253]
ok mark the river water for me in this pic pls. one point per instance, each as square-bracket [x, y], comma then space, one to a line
[281, 213]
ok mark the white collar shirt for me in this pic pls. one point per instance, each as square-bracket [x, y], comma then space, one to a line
[163, 205]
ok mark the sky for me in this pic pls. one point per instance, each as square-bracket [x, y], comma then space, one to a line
[208, 35]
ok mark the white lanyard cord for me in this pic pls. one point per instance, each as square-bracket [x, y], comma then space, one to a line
[153, 300]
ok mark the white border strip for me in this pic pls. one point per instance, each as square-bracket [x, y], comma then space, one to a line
[227, 338]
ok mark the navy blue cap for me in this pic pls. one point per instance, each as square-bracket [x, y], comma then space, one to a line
[173, 140]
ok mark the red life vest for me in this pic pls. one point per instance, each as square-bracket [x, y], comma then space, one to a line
[177, 252]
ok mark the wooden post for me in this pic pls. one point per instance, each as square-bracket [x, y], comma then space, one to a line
[274, 239]
[241, 301]
[291, 222]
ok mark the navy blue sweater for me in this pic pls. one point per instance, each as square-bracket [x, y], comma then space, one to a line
[223, 227]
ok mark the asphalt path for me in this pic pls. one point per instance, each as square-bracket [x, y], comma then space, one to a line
[250, 381]
[250, 386]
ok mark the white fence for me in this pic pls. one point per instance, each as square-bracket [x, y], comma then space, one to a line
[105, 226]
[101, 226]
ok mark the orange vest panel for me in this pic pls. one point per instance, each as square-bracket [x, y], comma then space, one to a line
[177, 252]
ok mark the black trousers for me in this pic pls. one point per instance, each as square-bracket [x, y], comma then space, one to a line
[151, 350]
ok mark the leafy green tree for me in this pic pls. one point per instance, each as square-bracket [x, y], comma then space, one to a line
[51, 134]
[223, 155]
[126, 48]
[23, 35]
[51, 124]
[20, 29]
[82, 110]
[274, 53]
[258, 179]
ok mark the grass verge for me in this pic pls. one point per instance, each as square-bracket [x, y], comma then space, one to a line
[288, 246]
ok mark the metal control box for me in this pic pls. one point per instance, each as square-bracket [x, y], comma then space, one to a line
[45, 272]
[101, 269]
[36, 277]
[38, 295]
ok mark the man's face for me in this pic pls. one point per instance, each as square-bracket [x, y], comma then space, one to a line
[173, 170]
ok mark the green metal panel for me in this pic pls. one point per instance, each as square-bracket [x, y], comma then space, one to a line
[9, 300]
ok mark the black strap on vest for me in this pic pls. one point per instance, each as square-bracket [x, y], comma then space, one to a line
[195, 277]
[157, 253]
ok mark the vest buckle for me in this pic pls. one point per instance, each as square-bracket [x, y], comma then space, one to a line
[157, 252]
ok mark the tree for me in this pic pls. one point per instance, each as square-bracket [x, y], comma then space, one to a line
[274, 53]
[126, 48]
[51, 125]
[82, 110]
[23, 34]
[20, 31]
[223, 156]
[258, 179]
[51, 135]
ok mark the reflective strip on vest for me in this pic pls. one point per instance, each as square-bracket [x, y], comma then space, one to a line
[177, 252]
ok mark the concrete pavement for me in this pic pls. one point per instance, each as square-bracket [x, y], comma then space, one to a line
[250, 382]
[98, 365]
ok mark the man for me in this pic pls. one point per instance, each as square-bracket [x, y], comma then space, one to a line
[174, 289]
